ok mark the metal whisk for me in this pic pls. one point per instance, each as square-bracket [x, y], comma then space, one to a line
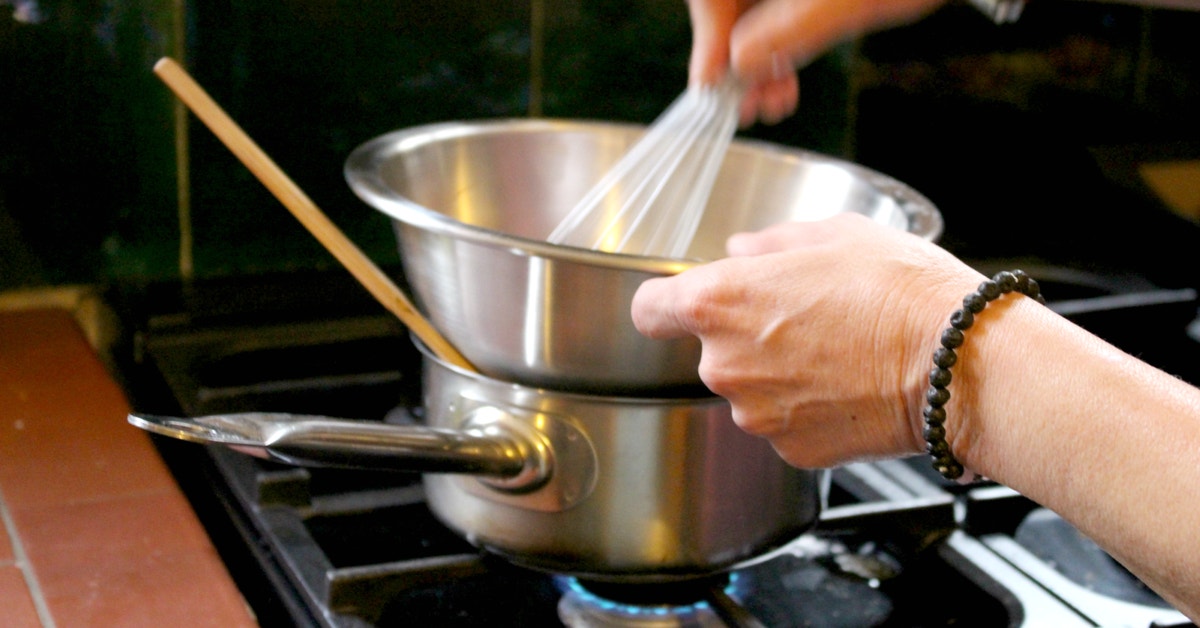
[651, 201]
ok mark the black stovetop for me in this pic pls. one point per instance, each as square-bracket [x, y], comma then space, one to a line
[896, 546]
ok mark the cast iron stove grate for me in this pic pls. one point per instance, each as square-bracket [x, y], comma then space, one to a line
[324, 547]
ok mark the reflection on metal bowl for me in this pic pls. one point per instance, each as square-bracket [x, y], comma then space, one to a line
[473, 202]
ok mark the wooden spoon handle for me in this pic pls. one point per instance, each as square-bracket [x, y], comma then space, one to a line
[317, 223]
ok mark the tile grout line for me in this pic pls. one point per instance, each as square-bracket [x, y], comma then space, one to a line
[22, 563]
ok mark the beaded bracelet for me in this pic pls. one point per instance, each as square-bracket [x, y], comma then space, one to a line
[944, 357]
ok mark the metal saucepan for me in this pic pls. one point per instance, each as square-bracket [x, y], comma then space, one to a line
[472, 204]
[629, 489]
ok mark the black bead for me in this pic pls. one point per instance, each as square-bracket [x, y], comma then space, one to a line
[1022, 281]
[974, 302]
[962, 319]
[1005, 280]
[952, 338]
[951, 470]
[989, 290]
[937, 448]
[937, 396]
[934, 415]
[945, 358]
[1032, 288]
[935, 431]
[939, 376]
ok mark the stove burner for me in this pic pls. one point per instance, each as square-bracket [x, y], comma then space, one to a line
[334, 548]
[666, 605]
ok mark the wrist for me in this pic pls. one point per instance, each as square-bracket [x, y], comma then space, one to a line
[949, 441]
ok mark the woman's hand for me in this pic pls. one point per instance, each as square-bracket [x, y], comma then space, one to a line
[819, 334]
[762, 42]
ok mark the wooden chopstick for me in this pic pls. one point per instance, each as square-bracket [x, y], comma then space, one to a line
[366, 272]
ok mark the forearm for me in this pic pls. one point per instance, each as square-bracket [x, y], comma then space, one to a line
[1107, 441]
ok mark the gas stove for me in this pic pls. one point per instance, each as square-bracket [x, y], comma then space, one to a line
[895, 544]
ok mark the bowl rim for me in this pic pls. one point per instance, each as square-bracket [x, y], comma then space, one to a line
[362, 172]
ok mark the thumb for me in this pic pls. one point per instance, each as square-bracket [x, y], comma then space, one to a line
[654, 312]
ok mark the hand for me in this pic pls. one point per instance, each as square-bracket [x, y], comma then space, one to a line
[819, 334]
[764, 41]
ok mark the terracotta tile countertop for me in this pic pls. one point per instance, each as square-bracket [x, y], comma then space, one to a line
[94, 530]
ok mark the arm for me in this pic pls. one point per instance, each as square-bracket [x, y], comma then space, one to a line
[1104, 439]
[821, 337]
[763, 42]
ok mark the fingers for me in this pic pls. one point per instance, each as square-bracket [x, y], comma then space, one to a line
[654, 312]
[776, 33]
[671, 307]
[763, 42]
[712, 21]
[772, 100]
[789, 235]
[799, 30]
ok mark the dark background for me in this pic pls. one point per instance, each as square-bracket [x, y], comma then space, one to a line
[1027, 136]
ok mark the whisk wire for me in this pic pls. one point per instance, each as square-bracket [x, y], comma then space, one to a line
[652, 200]
[585, 213]
[655, 189]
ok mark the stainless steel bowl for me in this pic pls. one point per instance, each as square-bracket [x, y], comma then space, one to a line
[472, 202]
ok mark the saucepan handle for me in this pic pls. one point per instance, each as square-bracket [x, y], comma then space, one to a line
[512, 455]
